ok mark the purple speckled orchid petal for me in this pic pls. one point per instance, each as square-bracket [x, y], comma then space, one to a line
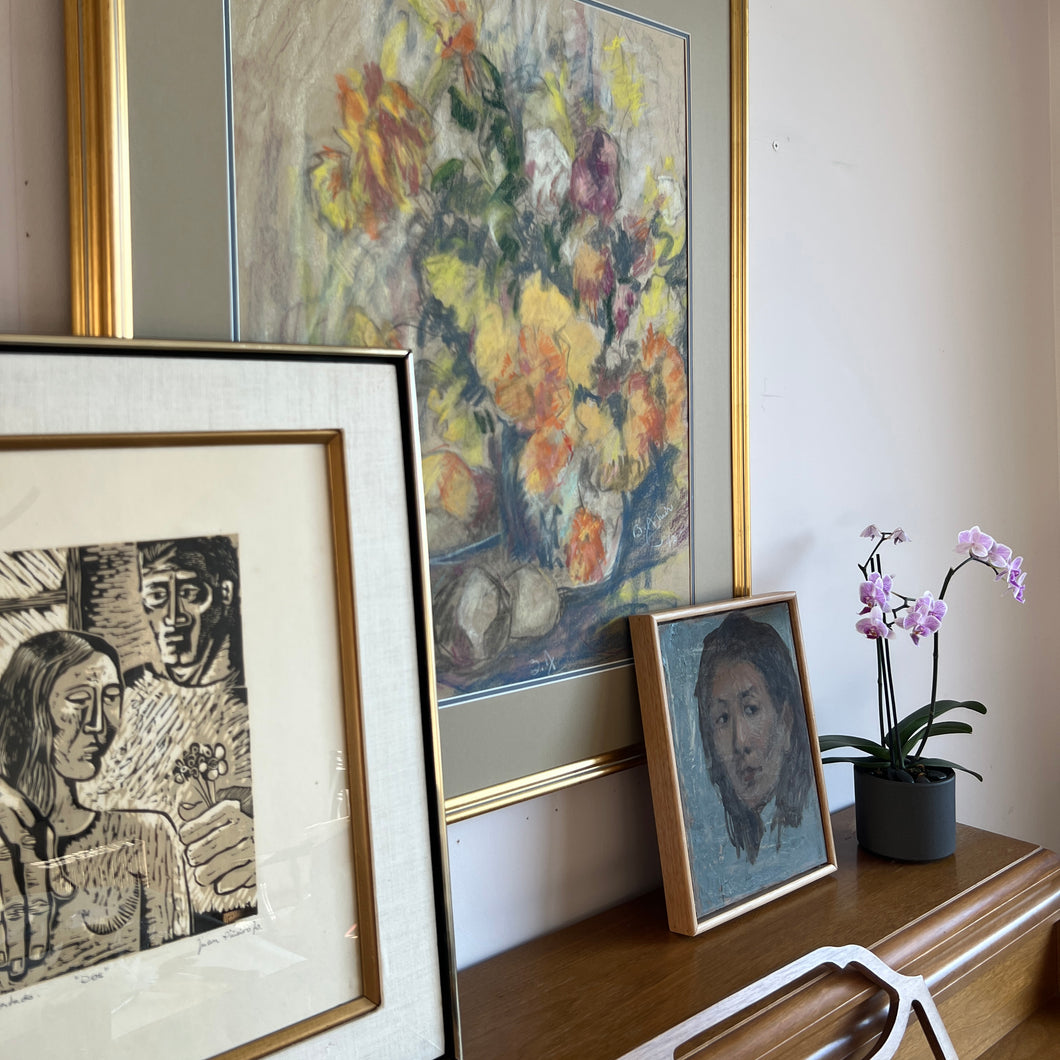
[974, 543]
[876, 591]
[999, 556]
[873, 625]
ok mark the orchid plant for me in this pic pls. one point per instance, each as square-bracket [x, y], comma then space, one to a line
[899, 754]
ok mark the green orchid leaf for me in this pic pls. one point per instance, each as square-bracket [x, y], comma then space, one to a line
[938, 728]
[942, 763]
[873, 761]
[830, 743]
[912, 722]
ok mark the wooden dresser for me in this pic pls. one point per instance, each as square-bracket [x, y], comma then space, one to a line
[980, 927]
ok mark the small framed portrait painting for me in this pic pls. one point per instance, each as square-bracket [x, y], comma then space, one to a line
[736, 779]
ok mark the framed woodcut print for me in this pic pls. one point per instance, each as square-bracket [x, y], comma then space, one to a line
[545, 202]
[737, 787]
[219, 777]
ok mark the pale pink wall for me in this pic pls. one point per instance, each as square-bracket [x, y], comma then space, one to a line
[34, 227]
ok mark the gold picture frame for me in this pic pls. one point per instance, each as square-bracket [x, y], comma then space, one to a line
[524, 741]
[110, 447]
[740, 804]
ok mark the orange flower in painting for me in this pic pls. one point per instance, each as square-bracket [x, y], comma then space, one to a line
[456, 26]
[384, 162]
[586, 554]
[545, 457]
[532, 387]
[458, 36]
[663, 359]
[645, 422]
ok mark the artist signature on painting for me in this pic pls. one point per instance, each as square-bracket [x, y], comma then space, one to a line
[543, 667]
[650, 529]
[90, 977]
[10, 1002]
[252, 927]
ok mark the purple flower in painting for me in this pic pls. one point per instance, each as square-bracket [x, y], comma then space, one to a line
[925, 617]
[870, 531]
[974, 543]
[873, 625]
[624, 303]
[594, 185]
[876, 592]
[899, 535]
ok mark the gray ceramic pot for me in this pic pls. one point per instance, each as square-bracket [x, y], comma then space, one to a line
[908, 822]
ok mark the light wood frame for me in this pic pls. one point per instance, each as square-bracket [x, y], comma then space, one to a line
[715, 865]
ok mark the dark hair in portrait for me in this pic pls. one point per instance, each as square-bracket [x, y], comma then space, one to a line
[25, 722]
[216, 562]
[740, 639]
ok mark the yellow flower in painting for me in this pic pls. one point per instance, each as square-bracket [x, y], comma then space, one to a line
[449, 486]
[458, 286]
[453, 419]
[627, 89]
[600, 434]
[384, 162]
[586, 553]
[533, 362]
[547, 311]
[533, 387]
[495, 345]
[594, 278]
[361, 330]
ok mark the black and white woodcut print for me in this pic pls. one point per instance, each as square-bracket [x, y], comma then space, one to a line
[126, 814]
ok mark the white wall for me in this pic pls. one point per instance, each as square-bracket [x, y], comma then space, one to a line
[902, 370]
[902, 355]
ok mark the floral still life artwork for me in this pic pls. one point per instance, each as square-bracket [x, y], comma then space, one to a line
[899, 752]
[500, 187]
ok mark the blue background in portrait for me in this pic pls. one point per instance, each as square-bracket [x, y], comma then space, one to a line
[720, 876]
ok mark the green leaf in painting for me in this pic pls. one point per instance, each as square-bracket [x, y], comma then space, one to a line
[463, 113]
[446, 174]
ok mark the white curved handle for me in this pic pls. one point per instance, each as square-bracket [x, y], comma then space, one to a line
[907, 993]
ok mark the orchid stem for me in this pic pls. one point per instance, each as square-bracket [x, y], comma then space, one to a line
[894, 746]
[935, 660]
[879, 691]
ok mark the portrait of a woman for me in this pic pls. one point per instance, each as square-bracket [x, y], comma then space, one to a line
[750, 722]
[60, 703]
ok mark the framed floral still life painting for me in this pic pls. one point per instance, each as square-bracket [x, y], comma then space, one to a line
[217, 724]
[736, 780]
[544, 199]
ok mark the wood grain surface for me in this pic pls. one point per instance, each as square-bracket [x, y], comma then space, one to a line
[979, 926]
